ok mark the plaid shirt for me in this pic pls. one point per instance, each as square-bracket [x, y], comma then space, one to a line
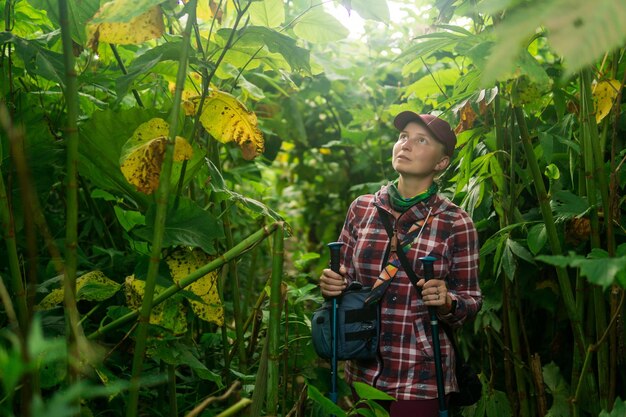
[405, 368]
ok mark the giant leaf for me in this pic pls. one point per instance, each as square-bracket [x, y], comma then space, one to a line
[123, 10]
[175, 353]
[317, 26]
[579, 30]
[142, 155]
[187, 224]
[566, 205]
[227, 119]
[183, 262]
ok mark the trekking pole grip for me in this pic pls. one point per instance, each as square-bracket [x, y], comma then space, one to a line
[335, 252]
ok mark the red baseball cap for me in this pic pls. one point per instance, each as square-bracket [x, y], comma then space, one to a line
[439, 128]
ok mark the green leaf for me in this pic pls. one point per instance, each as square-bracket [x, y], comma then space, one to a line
[558, 388]
[371, 9]
[79, 14]
[270, 13]
[317, 26]
[520, 251]
[187, 225]
[566, 205]
[297, 58]
[619, 409]
[498, 405]
[327, 405]
[599, 271]
[38, 59]
[367, 392]
[174, 353]
[537, 238]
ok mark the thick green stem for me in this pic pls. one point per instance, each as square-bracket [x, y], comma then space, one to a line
[171, 390]
[162, 196]
[274, 321]
[234, 283]
[589, 135]
[77, 346]
[518, 363]
[242, 247]
[235, 410]
[553, 238]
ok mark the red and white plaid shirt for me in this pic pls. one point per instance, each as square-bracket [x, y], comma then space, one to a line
[405, 368]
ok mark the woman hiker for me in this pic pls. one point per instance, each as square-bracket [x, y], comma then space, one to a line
[423, 223]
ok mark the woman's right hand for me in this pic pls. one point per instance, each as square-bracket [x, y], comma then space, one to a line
[332, 283]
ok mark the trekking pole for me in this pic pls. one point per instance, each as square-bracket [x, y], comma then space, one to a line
[428, 262]
[334, 247]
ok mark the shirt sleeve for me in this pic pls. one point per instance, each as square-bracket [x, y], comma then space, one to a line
[348, 237]
[463, 283]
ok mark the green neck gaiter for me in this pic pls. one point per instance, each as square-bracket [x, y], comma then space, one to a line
[401, 204]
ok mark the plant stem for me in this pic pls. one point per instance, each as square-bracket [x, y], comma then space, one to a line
[274, 320]
[171, 391]
[553, 239]
[242, 247]
[162, 195]
[8, 233]
[235, 409]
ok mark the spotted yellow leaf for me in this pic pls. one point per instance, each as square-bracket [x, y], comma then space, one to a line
[140, 28]
[227, 119]
[142, 155]
[182, 262]
[604, 95]
[169, 314]
[92, 286]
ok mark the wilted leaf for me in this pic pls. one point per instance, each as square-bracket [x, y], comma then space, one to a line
[93, 286]
[182, 263]
[146, 26]
[227, 120]
[142, 155]
[604, 95]
[169, 314]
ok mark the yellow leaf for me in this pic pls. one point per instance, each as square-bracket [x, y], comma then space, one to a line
[168, 314]
[182, 262]
[604, 95]
[142, 155]
[146, 26]
[95, 278]
[224, 117]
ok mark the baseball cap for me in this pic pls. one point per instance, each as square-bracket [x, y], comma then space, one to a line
[439, 128]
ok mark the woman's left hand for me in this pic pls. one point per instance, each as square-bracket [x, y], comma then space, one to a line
[435, 294]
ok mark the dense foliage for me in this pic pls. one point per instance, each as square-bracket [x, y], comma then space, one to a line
[155, 153]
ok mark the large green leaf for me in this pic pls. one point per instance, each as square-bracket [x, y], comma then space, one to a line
[371, 9]
[327, 405]
[270, 13]
[600, 270]
[619, 409]
[175, 353]
[368, 392]
[579, 30]
[566, 205]
[188, 225]
[37, 58]
[79, 13]
[317, 26]
[298, 58]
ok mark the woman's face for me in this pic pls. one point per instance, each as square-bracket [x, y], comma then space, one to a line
[416, 153]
